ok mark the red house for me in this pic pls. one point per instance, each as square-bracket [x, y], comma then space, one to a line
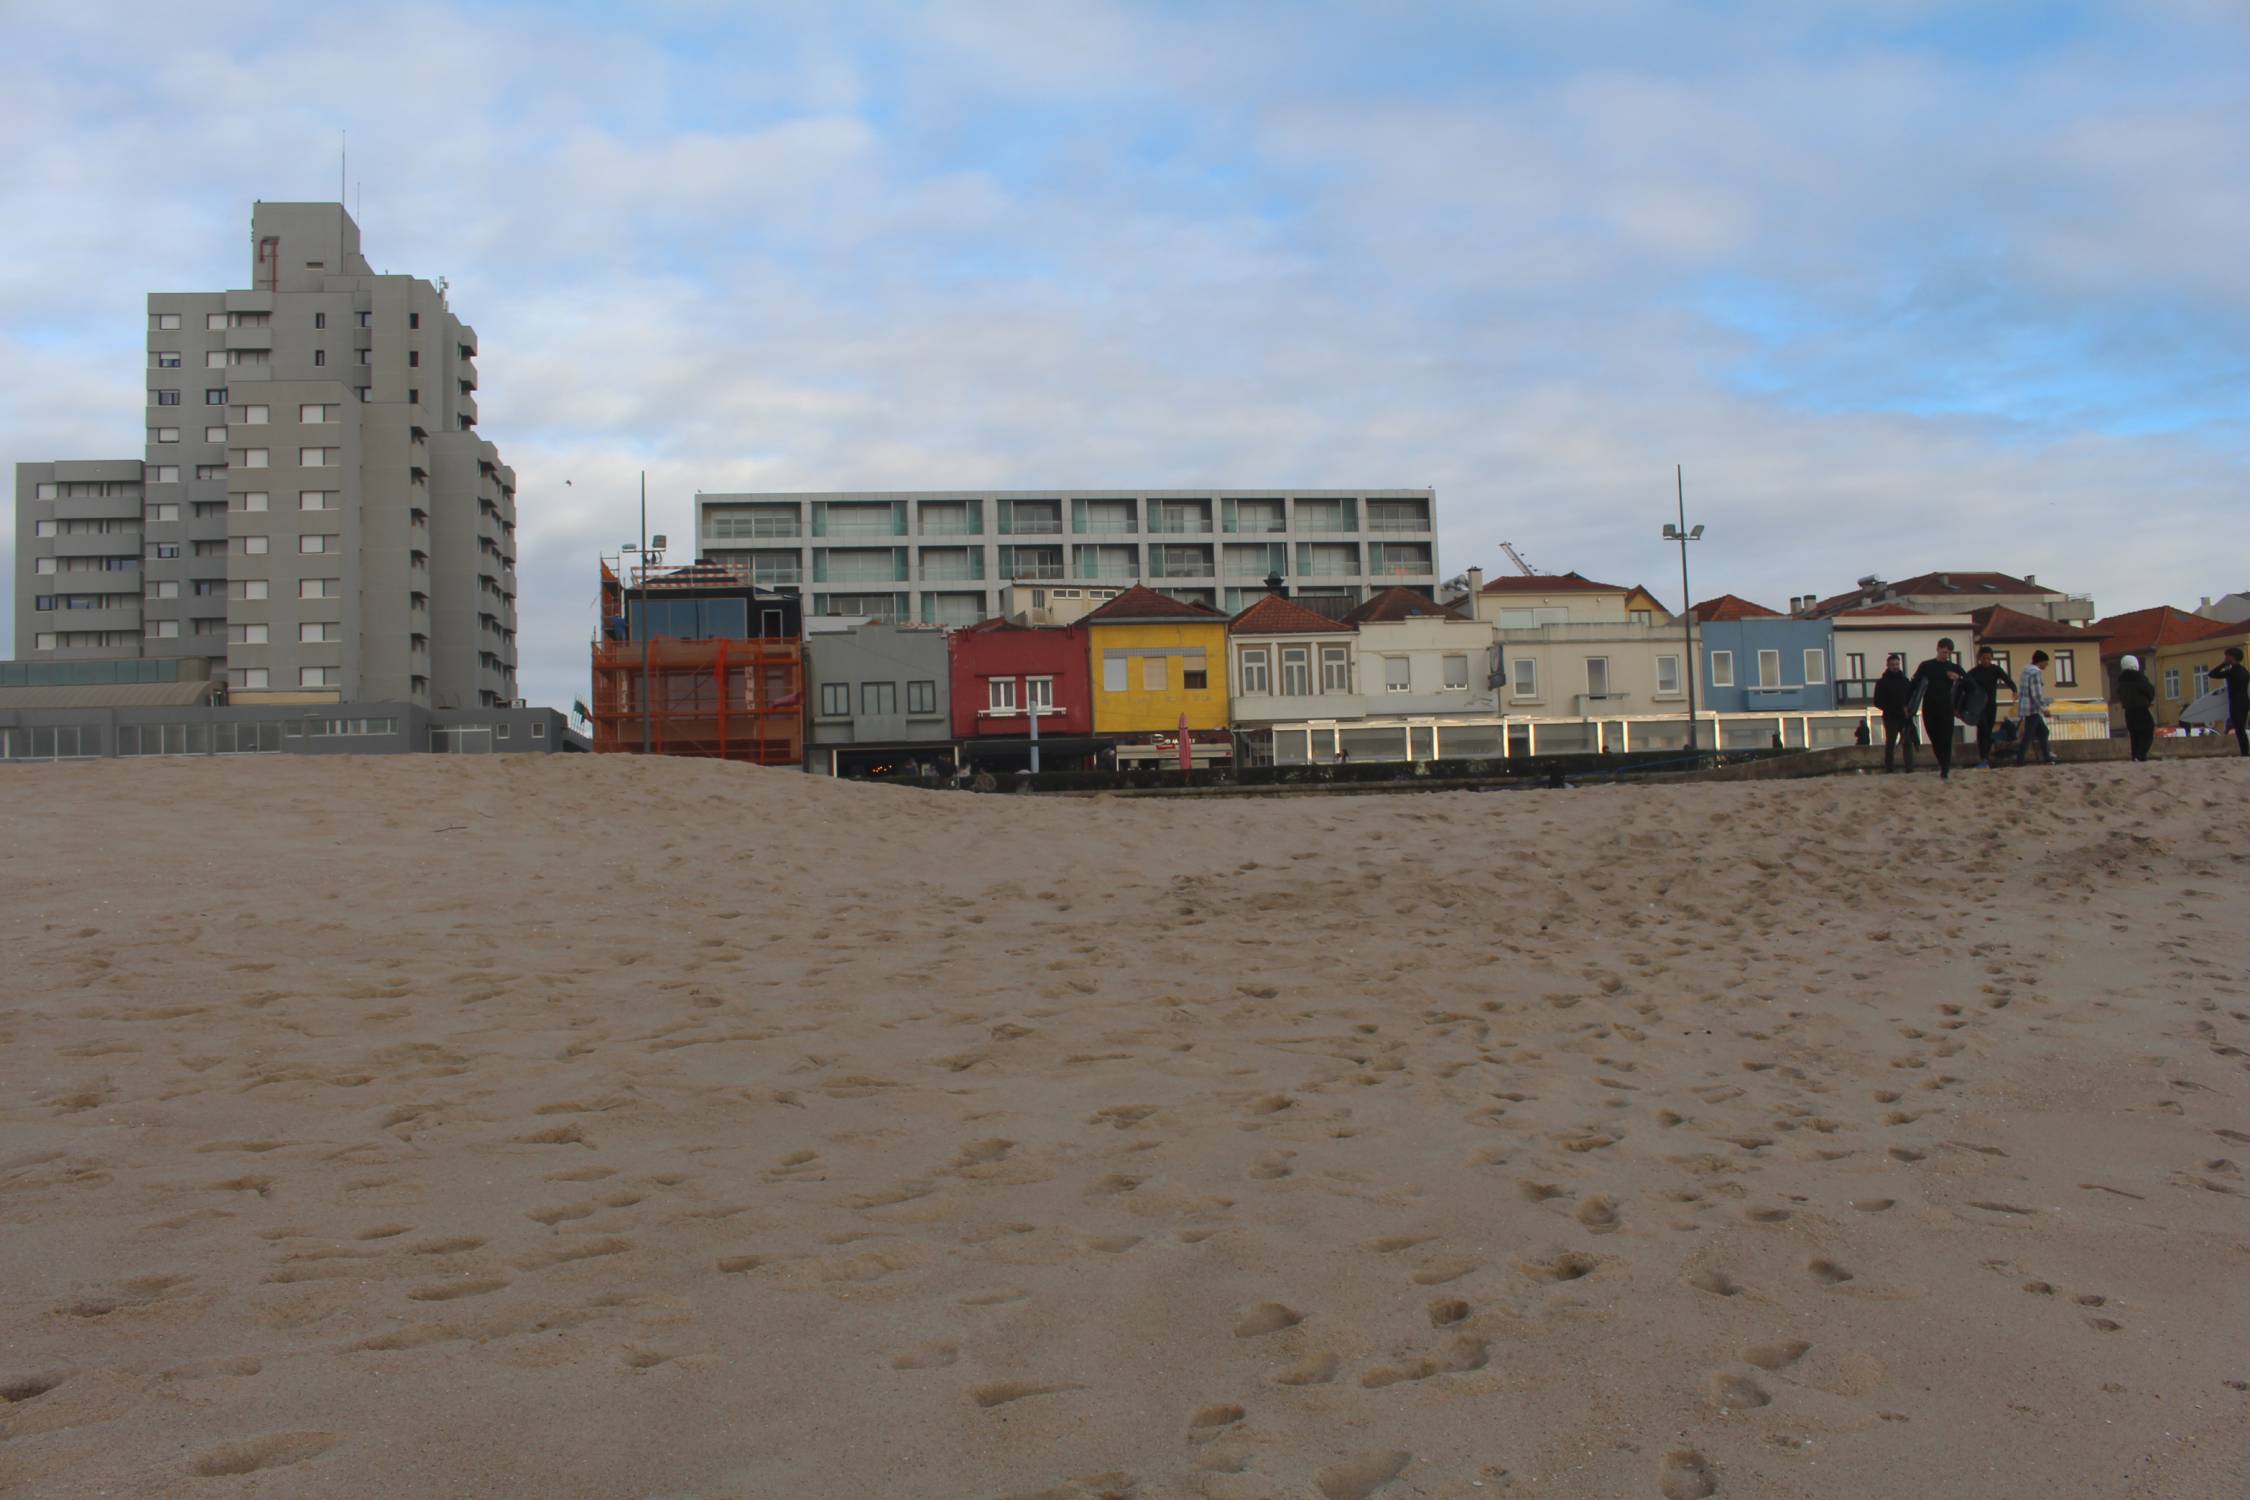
[1003, 671]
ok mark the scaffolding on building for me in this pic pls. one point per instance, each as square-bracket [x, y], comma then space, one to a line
[722, 698]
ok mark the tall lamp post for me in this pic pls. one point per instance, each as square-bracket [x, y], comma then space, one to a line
[1681, 534]
[649, 556]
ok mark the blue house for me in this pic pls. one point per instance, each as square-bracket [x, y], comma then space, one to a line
[1758, 660]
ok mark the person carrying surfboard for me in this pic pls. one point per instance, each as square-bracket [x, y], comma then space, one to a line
[2235, 677]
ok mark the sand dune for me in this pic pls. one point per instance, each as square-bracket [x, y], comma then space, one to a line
[560, 1127]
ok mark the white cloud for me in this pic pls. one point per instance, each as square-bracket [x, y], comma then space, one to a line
[1533, 263]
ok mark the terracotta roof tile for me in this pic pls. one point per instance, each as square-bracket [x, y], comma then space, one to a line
[1551, 583]
[1140, 602]
[1883, 611]
[2143, 630]
[1274, 615]
[1999, 623]
[1939, 584]
[1392, 605]
[1733, 607]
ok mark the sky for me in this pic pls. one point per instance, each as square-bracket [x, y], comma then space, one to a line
[1902, 285]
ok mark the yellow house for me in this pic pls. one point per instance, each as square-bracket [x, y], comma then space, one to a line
[2180, 670]
[1155, 658]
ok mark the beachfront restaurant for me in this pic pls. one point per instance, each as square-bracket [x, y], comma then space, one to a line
[1320, 742]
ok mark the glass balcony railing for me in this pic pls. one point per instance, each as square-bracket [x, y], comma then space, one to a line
[1037, 570]
[1035, 526]
[1180, 525]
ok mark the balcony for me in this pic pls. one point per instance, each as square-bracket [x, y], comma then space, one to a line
[881, 518]
[113, 544]
[1379, 519]
[737, 526]
[1179, 525]
[952, 565]
[1036, 571]
[1179, 562]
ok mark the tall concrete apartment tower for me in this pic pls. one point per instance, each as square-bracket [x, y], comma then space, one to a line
[315, 515]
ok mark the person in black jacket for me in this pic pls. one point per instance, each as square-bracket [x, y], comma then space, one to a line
[1936, 680]
[1990, 677]
[2236, 677]
[2138, 694]
[1892, 693]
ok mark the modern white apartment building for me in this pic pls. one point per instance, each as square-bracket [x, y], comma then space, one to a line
[942, 557]
[314, 513]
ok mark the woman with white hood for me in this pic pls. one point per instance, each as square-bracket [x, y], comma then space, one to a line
[2138, 694]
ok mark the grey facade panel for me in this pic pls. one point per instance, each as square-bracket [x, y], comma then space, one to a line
[876, 685]
[316, 512]
[943, 556]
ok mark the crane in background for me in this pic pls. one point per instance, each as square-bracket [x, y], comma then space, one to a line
[1516, 557]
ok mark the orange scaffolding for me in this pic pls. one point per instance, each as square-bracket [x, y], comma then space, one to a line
[723, 699]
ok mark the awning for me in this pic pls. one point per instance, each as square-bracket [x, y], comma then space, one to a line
[112, 695]
[1017, 747]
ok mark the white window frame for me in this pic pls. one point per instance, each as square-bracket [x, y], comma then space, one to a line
[1722, 669]
[1816, 667]
[1000, 697]
[1296, 671]
[1039, 694]
[1768, 679]
[1256, 676]
[1591, 690]
[1117, 672]
[1663, 691]
[1335, 669]
[1523, 679]
[2066, 668]
[1448, 664]
[1396, 666]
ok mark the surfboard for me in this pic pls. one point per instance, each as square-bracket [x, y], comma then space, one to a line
[2211, 708]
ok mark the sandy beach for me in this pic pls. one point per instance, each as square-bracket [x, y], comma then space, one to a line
[572, 1127]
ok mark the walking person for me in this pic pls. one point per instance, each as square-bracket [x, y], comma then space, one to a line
[1990, 677]
[2236, 677]
[1892, 695]
[2032, 707]
[2138, 694]
[1936, 680]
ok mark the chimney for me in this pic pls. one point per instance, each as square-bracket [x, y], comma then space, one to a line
[1945, 580]
[2032, 579]
[1276, 587]
[2206, 604]
[1476, 582]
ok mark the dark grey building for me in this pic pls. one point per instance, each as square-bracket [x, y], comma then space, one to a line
[314, 513]
[943, 556]
[878, 699]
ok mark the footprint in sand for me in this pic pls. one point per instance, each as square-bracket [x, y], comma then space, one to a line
[1775, 1356]
[1265, 1318]
[933, 1355]
[1827, 1271]
[1001, 1392]
[1685, 1475]
[1357, 1478]
[1737, 1393]
[1315, 1369]
[272, 1451]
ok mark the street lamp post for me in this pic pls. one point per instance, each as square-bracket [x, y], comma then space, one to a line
[1681, 534]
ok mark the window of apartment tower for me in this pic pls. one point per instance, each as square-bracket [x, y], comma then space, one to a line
[413, 320]
[320, 320]
[414, 359]
[320, 356]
